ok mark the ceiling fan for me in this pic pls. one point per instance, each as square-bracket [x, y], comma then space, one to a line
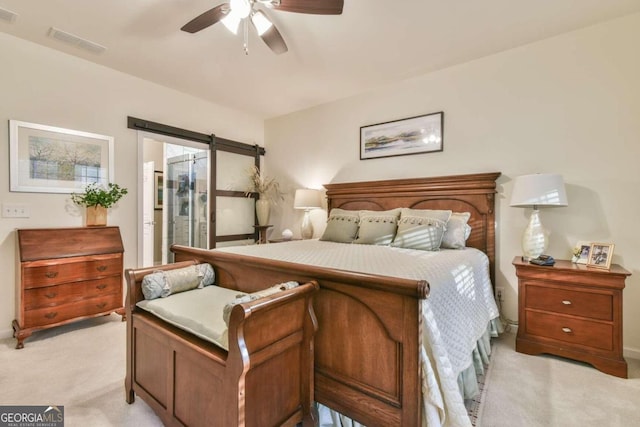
[234, 12]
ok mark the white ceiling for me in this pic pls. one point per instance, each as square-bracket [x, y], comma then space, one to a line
[373, 43]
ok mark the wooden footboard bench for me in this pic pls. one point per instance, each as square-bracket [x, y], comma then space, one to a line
[264, 379]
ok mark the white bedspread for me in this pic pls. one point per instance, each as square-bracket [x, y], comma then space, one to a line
[457, 312]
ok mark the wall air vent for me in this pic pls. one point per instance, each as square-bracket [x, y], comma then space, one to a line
[7, 15]
[76, 41]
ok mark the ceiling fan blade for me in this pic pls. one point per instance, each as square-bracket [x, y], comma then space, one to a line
[207, 19]
[317, 7]
[274, 40]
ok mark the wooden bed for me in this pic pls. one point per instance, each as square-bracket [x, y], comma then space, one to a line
[374, 379]
[265, 379]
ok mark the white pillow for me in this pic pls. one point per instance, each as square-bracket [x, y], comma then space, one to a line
[377, 227]
[421, 229]
[342, 226]
[457, 232]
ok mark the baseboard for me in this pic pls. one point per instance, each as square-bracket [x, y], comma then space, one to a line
[631, 353]
[6, 333]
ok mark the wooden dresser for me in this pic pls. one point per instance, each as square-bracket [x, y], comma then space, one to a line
[572, 311]
[66, 274]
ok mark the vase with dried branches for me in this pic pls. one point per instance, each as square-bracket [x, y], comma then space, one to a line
[267, 190]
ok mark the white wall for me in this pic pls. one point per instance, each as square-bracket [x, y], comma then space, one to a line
[40, 85]
[570, 104]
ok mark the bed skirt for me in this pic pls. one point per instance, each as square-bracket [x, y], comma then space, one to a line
[467, 382]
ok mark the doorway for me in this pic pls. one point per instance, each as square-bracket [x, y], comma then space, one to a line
[175, 196]
[193, 190]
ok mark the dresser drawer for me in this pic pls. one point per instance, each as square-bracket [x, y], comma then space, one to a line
[59, 313]
[63, 272]
[566, 301]
[69, 292]
[571, 330]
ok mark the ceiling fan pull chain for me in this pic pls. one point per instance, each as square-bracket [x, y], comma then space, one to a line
[246, 36]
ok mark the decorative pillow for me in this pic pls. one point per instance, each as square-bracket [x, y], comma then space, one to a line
[163, 283]
[242, 298]
[342, 226]
[377, 227]
[421, 229]
[456, 235]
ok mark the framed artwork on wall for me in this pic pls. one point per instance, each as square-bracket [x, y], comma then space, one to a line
[157, 189]
[47, 159]
[414, 135]
[600, 255]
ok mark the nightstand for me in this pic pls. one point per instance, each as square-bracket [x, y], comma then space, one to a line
[262, 233]
[572, 311]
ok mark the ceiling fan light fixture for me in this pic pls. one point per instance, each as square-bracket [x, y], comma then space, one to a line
[231, 21]
[241, 8]
[261, 22]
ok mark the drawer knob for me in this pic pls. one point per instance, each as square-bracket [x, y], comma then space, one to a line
[101, 287]
[101, 305]
[101, 267]
[51, 295]
[567, 330]
[566, 302]
[51, 274]
[51, 315]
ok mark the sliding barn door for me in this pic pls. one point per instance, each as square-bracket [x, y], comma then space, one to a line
[233, 211]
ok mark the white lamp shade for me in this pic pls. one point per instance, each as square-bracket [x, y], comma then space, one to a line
[541, 190]
[307, 199]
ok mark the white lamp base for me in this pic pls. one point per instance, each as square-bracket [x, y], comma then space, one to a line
[534, 238]
[306, 229]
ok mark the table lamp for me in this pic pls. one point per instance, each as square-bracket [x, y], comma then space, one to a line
[536, 191]
[307, 199]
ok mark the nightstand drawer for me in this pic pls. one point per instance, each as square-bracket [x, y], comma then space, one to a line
[578, 303]
[576, 331]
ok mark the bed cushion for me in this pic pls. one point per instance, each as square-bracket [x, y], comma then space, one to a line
[455, 236]
[421, 229]
[163, 283]
[242, 298]
[342, 226]
[197, 311]
[377, 227]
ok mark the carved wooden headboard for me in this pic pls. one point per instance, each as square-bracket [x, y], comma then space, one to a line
[474, 193]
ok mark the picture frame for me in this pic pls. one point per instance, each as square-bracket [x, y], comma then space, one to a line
[584, 250]
[413, 135]
[600, 255]
[48, 159]
[158, 193]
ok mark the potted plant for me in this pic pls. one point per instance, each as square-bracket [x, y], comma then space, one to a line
[268, 191]
[97, 200]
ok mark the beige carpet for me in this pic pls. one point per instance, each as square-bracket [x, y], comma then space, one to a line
[82, 367]
[79, 366]
[549, 391]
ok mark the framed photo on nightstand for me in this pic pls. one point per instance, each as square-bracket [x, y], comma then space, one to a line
[600, 255]
[581, 252]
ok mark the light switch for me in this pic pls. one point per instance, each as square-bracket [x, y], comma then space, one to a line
[15, 210]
